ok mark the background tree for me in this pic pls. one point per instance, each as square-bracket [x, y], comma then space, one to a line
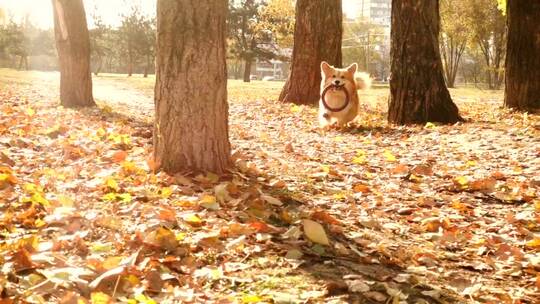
[523, 58]
[191, 127]
[418, 93]
[137, 36]
[73, 45]
[99, 45]
[454, 37]
[366, 44]
[278, 17]
[249, 40]
[487, 25]
[15, 44]
[312, 45]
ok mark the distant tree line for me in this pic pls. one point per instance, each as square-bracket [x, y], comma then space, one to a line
[258, 30]
[472, 41]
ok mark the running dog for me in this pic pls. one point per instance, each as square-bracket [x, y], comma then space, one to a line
[339, 103]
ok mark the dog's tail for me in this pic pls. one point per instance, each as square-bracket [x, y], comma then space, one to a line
[363, 81]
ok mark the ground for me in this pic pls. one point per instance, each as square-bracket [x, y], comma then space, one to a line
[373, 213]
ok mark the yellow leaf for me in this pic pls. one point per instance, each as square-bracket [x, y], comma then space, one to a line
[30, 112]
[209, 202]
[315, 232]
[389, 156]
[325, 168]
[180, 236]
[144, 299]
[534, 244]
[251, 299]
[193, 220]
[39, 223]
[100, 298]
[471, 163]
[65, 201]
[429, 125]
[100, 247]
[124, 197]
[111, 184]
[109, 197]
[340, 196]
[295, 109]
[166, 192]
[132, 279]
[462, 180]
[37, 198]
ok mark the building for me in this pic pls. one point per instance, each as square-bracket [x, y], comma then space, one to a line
[376, 11]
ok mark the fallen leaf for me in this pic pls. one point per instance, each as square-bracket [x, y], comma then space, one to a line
[315, 232]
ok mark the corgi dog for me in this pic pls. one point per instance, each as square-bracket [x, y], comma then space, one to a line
[333, 107]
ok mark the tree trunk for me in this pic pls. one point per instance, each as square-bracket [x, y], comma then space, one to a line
[147, 68]
[73, 45]
[130, 65]
[99, 65]
[523, 56]
[247, 69]
[418, 93]
[191, 128]
[317, 37]
[23, 62]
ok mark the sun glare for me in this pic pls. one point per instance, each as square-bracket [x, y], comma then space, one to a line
[39, 12]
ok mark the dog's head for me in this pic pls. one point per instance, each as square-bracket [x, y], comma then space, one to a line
[339, 77]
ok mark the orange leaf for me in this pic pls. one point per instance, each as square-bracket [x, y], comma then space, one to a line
[325, 217]
[259, 226]
[361, 188]
[119, 156]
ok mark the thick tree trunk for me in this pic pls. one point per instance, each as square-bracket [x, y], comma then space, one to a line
[317, 37]
[418, 92]
[73, 45]
[523, 56]
[247, 70]
[191, 128]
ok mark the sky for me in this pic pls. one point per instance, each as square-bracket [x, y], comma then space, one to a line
[40, 11]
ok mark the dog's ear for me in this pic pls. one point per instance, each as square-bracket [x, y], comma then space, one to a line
[352, 68]
[326, 69]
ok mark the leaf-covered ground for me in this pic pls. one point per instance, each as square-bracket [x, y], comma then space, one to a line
[371, 214]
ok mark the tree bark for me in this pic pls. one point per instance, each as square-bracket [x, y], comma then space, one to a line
[73, 45]
[191, 127]
[523, 56]
[418, 92]
[247, 69]
[317, 37]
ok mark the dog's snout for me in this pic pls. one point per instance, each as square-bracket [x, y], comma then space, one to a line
[337, 82]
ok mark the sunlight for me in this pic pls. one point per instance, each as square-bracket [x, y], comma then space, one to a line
[40, 12]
